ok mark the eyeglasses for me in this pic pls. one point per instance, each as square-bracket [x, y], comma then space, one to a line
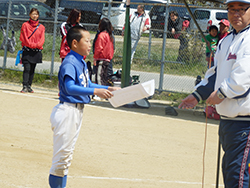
[241, 11]
[34, 14]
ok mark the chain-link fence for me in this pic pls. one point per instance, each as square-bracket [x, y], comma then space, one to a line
[173, 59]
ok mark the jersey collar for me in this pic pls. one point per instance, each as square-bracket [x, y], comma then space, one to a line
[78, 56]
[247, 27]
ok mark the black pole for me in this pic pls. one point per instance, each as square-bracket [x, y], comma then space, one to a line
[218, 165]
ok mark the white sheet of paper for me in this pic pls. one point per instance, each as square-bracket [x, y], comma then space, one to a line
[132, 93]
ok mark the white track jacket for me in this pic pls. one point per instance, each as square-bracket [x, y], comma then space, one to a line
[230, 74]
[137, 24]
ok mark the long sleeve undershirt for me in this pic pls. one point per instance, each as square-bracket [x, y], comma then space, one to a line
[73, 89]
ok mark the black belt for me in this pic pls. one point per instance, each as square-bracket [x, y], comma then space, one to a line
[25, 48]
[77, 105]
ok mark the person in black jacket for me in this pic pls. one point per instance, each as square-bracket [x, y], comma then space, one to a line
[175, 28]
[174, 23]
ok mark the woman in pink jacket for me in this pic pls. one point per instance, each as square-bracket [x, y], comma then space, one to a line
[104, 51]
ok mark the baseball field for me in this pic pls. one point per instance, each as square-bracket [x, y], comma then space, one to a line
[117, 148]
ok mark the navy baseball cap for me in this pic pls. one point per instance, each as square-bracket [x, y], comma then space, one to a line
[239, 1]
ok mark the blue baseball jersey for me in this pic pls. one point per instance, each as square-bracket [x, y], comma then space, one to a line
[75, 67]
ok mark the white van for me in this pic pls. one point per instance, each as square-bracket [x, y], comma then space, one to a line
[118, 10]
[208, 17]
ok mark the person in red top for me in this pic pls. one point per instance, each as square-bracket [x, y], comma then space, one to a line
[73, 20]
[224, 27]
[104, 51]
[32, 37]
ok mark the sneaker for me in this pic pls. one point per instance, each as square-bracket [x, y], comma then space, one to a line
[24, 90]
[30, 90]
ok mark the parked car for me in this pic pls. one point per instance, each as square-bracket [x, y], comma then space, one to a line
[20, 13]
[207, 17]
[91, 11]
[118, 10]
[158, 14]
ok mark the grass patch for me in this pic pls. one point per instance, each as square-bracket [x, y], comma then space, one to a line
[42, 80]
[193, 65]
[175, 98]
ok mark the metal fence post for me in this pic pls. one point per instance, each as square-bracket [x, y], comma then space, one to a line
[109, 9]
[164, 47]
[7, 34]
[149, 43]
[54, 39]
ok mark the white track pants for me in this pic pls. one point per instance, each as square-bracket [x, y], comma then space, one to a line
[66, 122]
[134, 43]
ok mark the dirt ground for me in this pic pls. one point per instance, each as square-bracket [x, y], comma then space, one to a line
[117, 148]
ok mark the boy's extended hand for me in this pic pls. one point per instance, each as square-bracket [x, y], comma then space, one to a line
[105, 93]
[113, 88]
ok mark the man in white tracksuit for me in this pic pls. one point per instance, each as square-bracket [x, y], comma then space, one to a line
[226, 85]
[139, 23]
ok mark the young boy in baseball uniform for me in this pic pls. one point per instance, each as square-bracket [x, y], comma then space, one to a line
[66, 117]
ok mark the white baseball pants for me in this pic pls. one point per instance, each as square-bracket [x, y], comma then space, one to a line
[66, 120]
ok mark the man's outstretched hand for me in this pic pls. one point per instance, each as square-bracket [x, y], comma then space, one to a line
[189, 102]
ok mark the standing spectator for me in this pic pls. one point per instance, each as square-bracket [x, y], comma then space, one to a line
[103, 51]
[224, 27]
[110, 66]
[227, 86]
[73, 20]
[175, 26]
[174, 23]
[139, 23]
[32, 37]
[212, 39]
